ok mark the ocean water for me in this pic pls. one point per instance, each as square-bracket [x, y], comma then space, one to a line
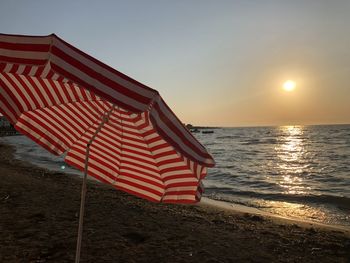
[29, 151]
[300, 172]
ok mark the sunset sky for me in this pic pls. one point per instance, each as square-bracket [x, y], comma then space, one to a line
[217, 63]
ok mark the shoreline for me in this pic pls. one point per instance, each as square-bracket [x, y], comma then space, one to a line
[39, 219]
[242, 209]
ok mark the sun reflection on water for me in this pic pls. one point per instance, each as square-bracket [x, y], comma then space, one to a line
[290, 152]
[292, 147]
[294, 210]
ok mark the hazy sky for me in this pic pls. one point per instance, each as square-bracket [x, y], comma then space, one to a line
[218, 63]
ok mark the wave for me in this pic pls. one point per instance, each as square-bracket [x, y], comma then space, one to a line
[341, 202]
[229, 137]
[268, 141]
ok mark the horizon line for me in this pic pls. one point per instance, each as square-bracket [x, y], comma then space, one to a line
[268, 125]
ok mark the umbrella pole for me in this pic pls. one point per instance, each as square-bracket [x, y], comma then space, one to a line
[82, 206]
[83, 189]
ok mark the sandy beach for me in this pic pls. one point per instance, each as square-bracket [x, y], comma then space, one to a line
[39, 222]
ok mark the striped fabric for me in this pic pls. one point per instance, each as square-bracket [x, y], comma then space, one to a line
[57, 96]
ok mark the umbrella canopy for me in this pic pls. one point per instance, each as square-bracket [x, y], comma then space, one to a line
[58, 96]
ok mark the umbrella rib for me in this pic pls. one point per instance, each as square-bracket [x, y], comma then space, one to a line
[68, 103]
[105, 119]
[64, 103]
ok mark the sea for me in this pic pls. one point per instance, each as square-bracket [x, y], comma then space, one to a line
[299, 172]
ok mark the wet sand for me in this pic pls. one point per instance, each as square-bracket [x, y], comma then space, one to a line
[39, 222]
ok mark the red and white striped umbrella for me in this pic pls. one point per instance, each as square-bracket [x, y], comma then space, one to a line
[58, 96]
[111, 126]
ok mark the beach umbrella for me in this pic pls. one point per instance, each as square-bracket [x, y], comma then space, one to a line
[110, 126]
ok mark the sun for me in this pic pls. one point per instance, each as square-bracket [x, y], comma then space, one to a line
[289, 85]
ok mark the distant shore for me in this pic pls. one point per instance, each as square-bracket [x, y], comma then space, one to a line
[39, 217]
